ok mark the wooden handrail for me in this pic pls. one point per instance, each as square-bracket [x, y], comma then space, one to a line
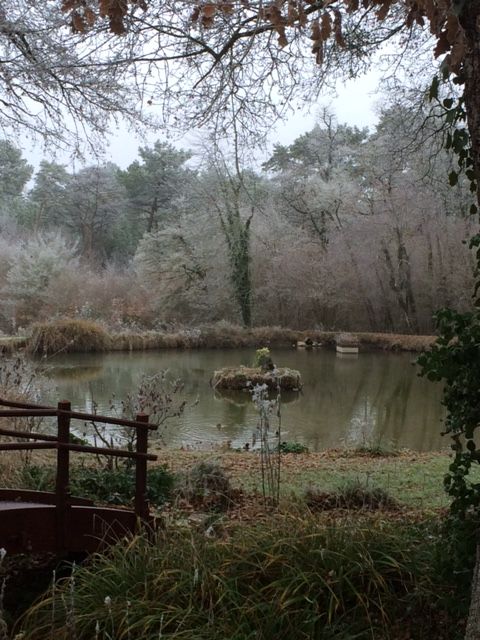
[25, 446]
[31, 435]
[61, 443]
[25, 410]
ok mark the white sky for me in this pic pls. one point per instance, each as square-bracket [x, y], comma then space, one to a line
[355, 104]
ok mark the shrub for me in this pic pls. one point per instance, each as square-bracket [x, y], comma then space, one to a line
[292, 447]
[35, 264]
[117, 486]
[206, 485]
[262, 357]
[353, 495]
[67, 336]
[112, 486]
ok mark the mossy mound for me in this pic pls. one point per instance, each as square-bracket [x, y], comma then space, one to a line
[246, 377]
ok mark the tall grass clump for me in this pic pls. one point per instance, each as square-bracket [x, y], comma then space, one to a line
[64, 336]
[288, 579]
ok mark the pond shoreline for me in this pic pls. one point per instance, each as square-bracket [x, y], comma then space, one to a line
[216, 337]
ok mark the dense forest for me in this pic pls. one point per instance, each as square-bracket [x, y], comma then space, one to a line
[346, 228]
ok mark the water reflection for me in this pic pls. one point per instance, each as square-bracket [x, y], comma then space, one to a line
[375, 398]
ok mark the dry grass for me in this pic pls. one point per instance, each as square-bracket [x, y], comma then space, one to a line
[385, 341]
[67, 336]
[83, 335]
[10, 344]
[228, 336]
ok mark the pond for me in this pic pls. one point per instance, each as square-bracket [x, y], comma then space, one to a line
[373, 399]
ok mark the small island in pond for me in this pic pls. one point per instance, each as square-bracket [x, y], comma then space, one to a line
[247, 377]
[263, 371]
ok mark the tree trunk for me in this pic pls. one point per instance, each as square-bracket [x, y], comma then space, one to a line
[470, 20]
[473, 624]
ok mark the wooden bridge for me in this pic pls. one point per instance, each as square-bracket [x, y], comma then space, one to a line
[38, 521]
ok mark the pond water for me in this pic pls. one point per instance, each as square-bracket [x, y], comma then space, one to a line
[370, 399]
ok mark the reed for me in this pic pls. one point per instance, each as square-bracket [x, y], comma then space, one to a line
[65, 336]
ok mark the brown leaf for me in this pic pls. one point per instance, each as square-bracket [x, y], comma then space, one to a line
[116, 25]
[457, 54]
[78, 23]
[337, 27]
[316, 31]
[453, 27]
[292, 15]
[226, 8]
[382, 13]
[195, 14]
[326, 29]
[318, 51]
[89, 17]
[282, 38]
[68, 5]
[352, 5]
[443, 45]
[207, 22]
[209, 10]
[302, 16]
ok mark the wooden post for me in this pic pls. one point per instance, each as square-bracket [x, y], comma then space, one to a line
[62, 489]
[141, 502]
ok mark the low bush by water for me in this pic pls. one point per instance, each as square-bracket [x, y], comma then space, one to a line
[66, 336]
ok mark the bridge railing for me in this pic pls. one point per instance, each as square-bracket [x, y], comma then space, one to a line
[61, 442]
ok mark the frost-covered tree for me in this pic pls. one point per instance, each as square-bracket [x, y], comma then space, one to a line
[169, 265]
[156, 185]
[50, 196]
[96, 206]
[15, 172]
[33, 267]
[61, 85]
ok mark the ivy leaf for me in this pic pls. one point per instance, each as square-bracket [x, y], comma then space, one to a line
[453, 178]
[433, 91]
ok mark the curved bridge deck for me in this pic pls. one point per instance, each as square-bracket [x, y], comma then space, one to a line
[37, 522]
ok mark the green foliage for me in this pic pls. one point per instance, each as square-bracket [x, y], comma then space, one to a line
[292, 447]
[112, 486]
[262, 356]
[15, 172]
[154, 185]
[117, 486]
[285, 578]
[37, 477]
[455, 360]
[457, 138]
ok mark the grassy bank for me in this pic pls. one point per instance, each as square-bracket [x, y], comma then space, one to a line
[415, 480]
[220, 337]
[82, 335]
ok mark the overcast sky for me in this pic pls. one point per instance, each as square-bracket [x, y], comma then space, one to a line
[355, 104]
